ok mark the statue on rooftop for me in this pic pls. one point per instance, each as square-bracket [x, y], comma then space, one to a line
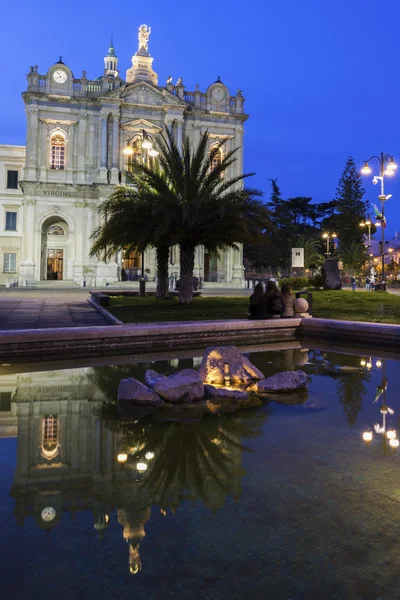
[144, 34]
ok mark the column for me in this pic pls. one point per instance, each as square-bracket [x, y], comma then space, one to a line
[70, 151]
[27, 273]
[179, 134]
[103, 167]
[104, 141]
[81, 146]
[197, 264]
[115, 150]
[32, 127]
[78, 237]
[238, 268]
[44, 152]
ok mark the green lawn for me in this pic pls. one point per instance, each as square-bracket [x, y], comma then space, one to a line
[354, 306]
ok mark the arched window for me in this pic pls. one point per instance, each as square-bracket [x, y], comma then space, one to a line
[55, 230]
[217, 159]
[57, 157]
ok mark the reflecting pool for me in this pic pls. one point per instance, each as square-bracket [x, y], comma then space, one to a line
[288, 501]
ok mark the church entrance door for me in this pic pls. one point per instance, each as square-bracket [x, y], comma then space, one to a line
[55, 261]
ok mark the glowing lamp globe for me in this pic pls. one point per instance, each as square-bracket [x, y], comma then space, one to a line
[123, 457]
[391, 434]
[301, 305]
[149, 455]
[367, 436]
[141, 467]
[366, 170]
[147, 145]
[378, 363]
[394, 443]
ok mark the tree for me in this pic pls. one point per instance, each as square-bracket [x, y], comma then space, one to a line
[353, 256]
[312, 251]
[133, 219]
[351, 207]
[200, 204]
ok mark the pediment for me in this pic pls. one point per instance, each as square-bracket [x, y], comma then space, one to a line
[145, 94]
[140, 124]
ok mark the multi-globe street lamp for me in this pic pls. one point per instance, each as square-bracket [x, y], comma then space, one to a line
[387, 167]
[368, 223]
[328, 237]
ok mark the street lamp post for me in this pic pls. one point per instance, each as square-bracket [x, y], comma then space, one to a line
[328, 237]
[368, 223]
[142, 144]
[387, 166]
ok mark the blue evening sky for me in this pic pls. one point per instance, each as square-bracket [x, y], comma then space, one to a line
[320, 78]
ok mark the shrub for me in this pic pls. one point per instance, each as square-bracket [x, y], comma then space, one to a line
[296, 283]
[317, 281]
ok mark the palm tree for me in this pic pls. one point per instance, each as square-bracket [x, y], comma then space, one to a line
[131, 218]
[196, 203]
[353, 256]
[312, 251]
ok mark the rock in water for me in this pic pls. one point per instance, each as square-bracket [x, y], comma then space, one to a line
[212, 392]
[132, 390]
[241, 370]
[331, 275]
[151, 377]
[183, 386]
[286, 381]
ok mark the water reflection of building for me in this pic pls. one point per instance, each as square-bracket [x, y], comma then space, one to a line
[67, 458]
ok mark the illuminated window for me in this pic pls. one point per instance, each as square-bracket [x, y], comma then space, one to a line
[131, 260]
[217, 159]
[50, 428]
[57, 152]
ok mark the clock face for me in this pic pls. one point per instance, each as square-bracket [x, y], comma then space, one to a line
[218, 94]
[60, 76]
[48, 514]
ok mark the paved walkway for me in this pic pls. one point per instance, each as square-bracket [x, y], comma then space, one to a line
[26, 311]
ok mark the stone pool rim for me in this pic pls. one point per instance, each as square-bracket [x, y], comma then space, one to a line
[36, 344]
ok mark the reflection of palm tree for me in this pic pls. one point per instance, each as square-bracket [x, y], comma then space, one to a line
[188, 462]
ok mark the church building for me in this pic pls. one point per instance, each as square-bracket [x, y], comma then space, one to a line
[80, 136]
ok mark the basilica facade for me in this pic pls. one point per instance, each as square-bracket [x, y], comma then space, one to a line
[77, 131]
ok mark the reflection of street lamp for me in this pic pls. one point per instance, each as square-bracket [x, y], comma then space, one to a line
[388, 434]
[387, 166]
[122, 457]
[328, 236]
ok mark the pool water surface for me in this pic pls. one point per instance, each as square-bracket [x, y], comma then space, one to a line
[283, 501]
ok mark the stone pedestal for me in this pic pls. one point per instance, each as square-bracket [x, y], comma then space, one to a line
[114, 176]
[103, 175]
[27, 273]
[106, 273]
[77, 272]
